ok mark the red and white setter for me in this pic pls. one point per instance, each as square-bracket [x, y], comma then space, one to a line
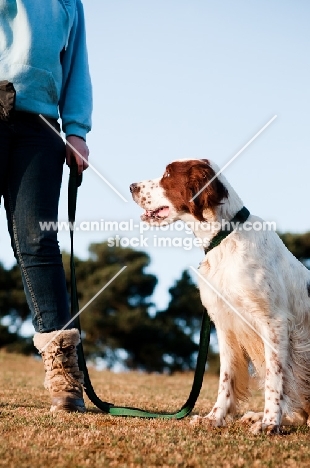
[255, 291]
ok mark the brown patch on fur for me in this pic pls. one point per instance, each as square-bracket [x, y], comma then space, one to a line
[184, 179]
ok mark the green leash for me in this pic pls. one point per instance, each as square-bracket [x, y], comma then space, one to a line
[74, 182]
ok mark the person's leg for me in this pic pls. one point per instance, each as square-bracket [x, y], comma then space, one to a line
[31, 197]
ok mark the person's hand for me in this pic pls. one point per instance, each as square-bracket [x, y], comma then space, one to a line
[81, 147]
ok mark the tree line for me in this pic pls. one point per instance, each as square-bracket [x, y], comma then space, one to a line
[123, 316]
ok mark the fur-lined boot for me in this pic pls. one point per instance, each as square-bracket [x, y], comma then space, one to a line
[63, 379]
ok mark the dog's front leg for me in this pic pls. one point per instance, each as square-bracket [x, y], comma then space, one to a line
[226, 400]
[273, 392]
[275, 356]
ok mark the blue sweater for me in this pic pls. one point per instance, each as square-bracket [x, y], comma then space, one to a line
[43, 53]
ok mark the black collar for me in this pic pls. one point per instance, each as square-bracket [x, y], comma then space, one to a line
[240, 217]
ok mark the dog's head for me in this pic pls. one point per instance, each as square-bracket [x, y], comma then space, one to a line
[187, 187]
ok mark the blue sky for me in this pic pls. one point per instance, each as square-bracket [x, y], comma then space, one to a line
[195, 78]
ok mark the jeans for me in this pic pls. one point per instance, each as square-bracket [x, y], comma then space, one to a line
[31, 167]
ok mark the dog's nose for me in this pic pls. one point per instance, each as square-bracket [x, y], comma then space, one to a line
[133, 187]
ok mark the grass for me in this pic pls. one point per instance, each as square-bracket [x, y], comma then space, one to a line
[32, 437]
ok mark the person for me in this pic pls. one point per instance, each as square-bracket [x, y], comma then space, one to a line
[44, 72]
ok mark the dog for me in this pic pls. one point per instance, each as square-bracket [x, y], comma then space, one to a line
[255, 291]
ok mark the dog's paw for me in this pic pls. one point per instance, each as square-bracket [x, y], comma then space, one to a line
[256, 428]
[208, 420]
[251, 418]
[271, 429]
[257, 424]
[254, 420]
[215, 420]
[259, 427]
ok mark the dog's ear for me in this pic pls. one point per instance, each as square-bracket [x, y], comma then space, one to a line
[206, 191]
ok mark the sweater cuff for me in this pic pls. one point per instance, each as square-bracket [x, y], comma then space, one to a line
[74, 129]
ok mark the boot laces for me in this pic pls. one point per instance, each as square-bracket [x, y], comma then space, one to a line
[61, 357]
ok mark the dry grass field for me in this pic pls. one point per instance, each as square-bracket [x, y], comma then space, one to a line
[32, 437]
